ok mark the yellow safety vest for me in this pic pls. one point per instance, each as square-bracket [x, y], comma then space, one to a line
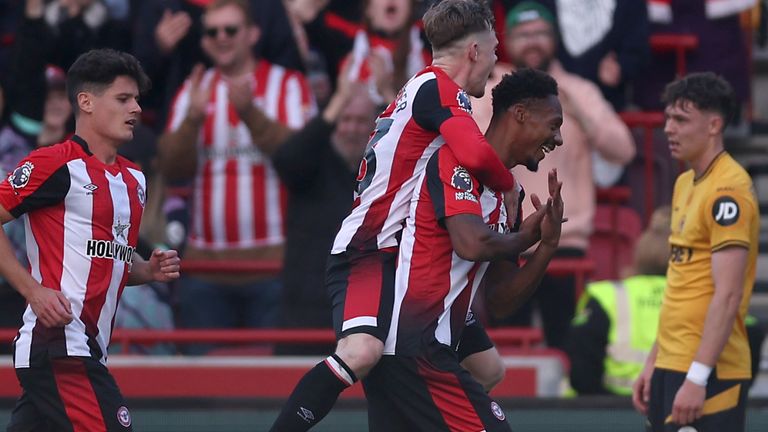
[632, 306]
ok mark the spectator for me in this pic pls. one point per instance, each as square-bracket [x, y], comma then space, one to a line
[318, 166]
[606, 42]
[168, 44]
[616, 322]
[590, 127]
[385, 50]
[75, 26]
[237, 211]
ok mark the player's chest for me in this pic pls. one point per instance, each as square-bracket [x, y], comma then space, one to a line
[688, 225]
[109, 202]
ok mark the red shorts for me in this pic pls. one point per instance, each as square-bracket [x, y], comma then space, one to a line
[361, 288]
[420, 394]
[74, 394]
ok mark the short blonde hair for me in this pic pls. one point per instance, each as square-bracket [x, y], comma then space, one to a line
[652, 248]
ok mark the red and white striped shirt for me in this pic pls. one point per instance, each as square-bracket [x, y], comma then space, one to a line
[430, 110]
[434, 287]
[82, 225]
[238, 201]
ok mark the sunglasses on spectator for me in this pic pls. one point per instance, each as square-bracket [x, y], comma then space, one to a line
[213, 32]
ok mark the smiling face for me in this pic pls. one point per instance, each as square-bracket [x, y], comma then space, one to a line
[388, 16]
[540, 131]
[531, 44]
[227, 37]
[114, 109]
[688, 129]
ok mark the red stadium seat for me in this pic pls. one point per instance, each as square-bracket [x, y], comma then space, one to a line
[611, 246]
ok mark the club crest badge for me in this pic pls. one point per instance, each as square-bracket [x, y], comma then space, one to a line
[124, 416]
[142, 195]
[497, 411]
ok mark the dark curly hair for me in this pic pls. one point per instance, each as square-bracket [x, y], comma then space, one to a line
[706, 90]
[451, 20]
[97, 69]
[522, 86]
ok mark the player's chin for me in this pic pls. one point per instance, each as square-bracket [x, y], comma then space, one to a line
[532, 164]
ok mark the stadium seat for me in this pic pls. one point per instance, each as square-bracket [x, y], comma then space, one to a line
[616, 229]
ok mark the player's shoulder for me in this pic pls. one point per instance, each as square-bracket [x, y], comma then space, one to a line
[731, 171]
[449, 169]
[59, 153]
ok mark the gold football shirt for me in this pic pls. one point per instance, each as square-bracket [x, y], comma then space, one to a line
[715, 211]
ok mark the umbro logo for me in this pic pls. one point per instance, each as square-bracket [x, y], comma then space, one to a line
[90, 187]
[306, 415]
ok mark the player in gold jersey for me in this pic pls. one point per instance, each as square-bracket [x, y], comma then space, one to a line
[698, 371]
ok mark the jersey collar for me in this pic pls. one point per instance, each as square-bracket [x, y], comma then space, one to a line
[710, 167]
[79, 140]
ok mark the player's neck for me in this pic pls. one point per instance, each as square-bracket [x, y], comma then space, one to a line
[495, 136]
[103, 149]
[457, 71]
[704, 160]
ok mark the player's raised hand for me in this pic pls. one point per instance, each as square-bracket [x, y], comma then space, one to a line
[50, 306]
[199, 94]
[531, 225]
[553, 219]
[164, 265]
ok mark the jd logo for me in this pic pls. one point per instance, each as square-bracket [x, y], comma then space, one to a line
[725, 211]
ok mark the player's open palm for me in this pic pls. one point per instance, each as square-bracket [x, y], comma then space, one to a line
[553, 218]
[50, 306]
[531, 226]
[164, 266]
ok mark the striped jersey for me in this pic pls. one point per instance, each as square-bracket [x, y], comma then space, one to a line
[434, 287]
[429, 111]
[238, 201]
[81, 222]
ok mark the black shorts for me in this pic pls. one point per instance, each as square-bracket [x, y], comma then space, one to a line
[408, 394]
[474, 339]
[362, 292]
[724, 406]
[69, 394]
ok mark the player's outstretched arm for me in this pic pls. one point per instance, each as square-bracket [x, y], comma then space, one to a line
[509, 286]
[50, 306]
[163, 266]
[473, 241]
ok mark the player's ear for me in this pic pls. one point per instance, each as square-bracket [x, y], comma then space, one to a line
[716, 124]
[85, 102]
[520, 112]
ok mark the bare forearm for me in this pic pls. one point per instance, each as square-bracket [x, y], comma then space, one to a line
[140, 272]
[177, 151]
[718, 326]
[509, 288]
[266, 133]
[493, 246]
[728, 269]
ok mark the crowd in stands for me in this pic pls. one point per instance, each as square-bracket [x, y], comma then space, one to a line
[260, 111]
